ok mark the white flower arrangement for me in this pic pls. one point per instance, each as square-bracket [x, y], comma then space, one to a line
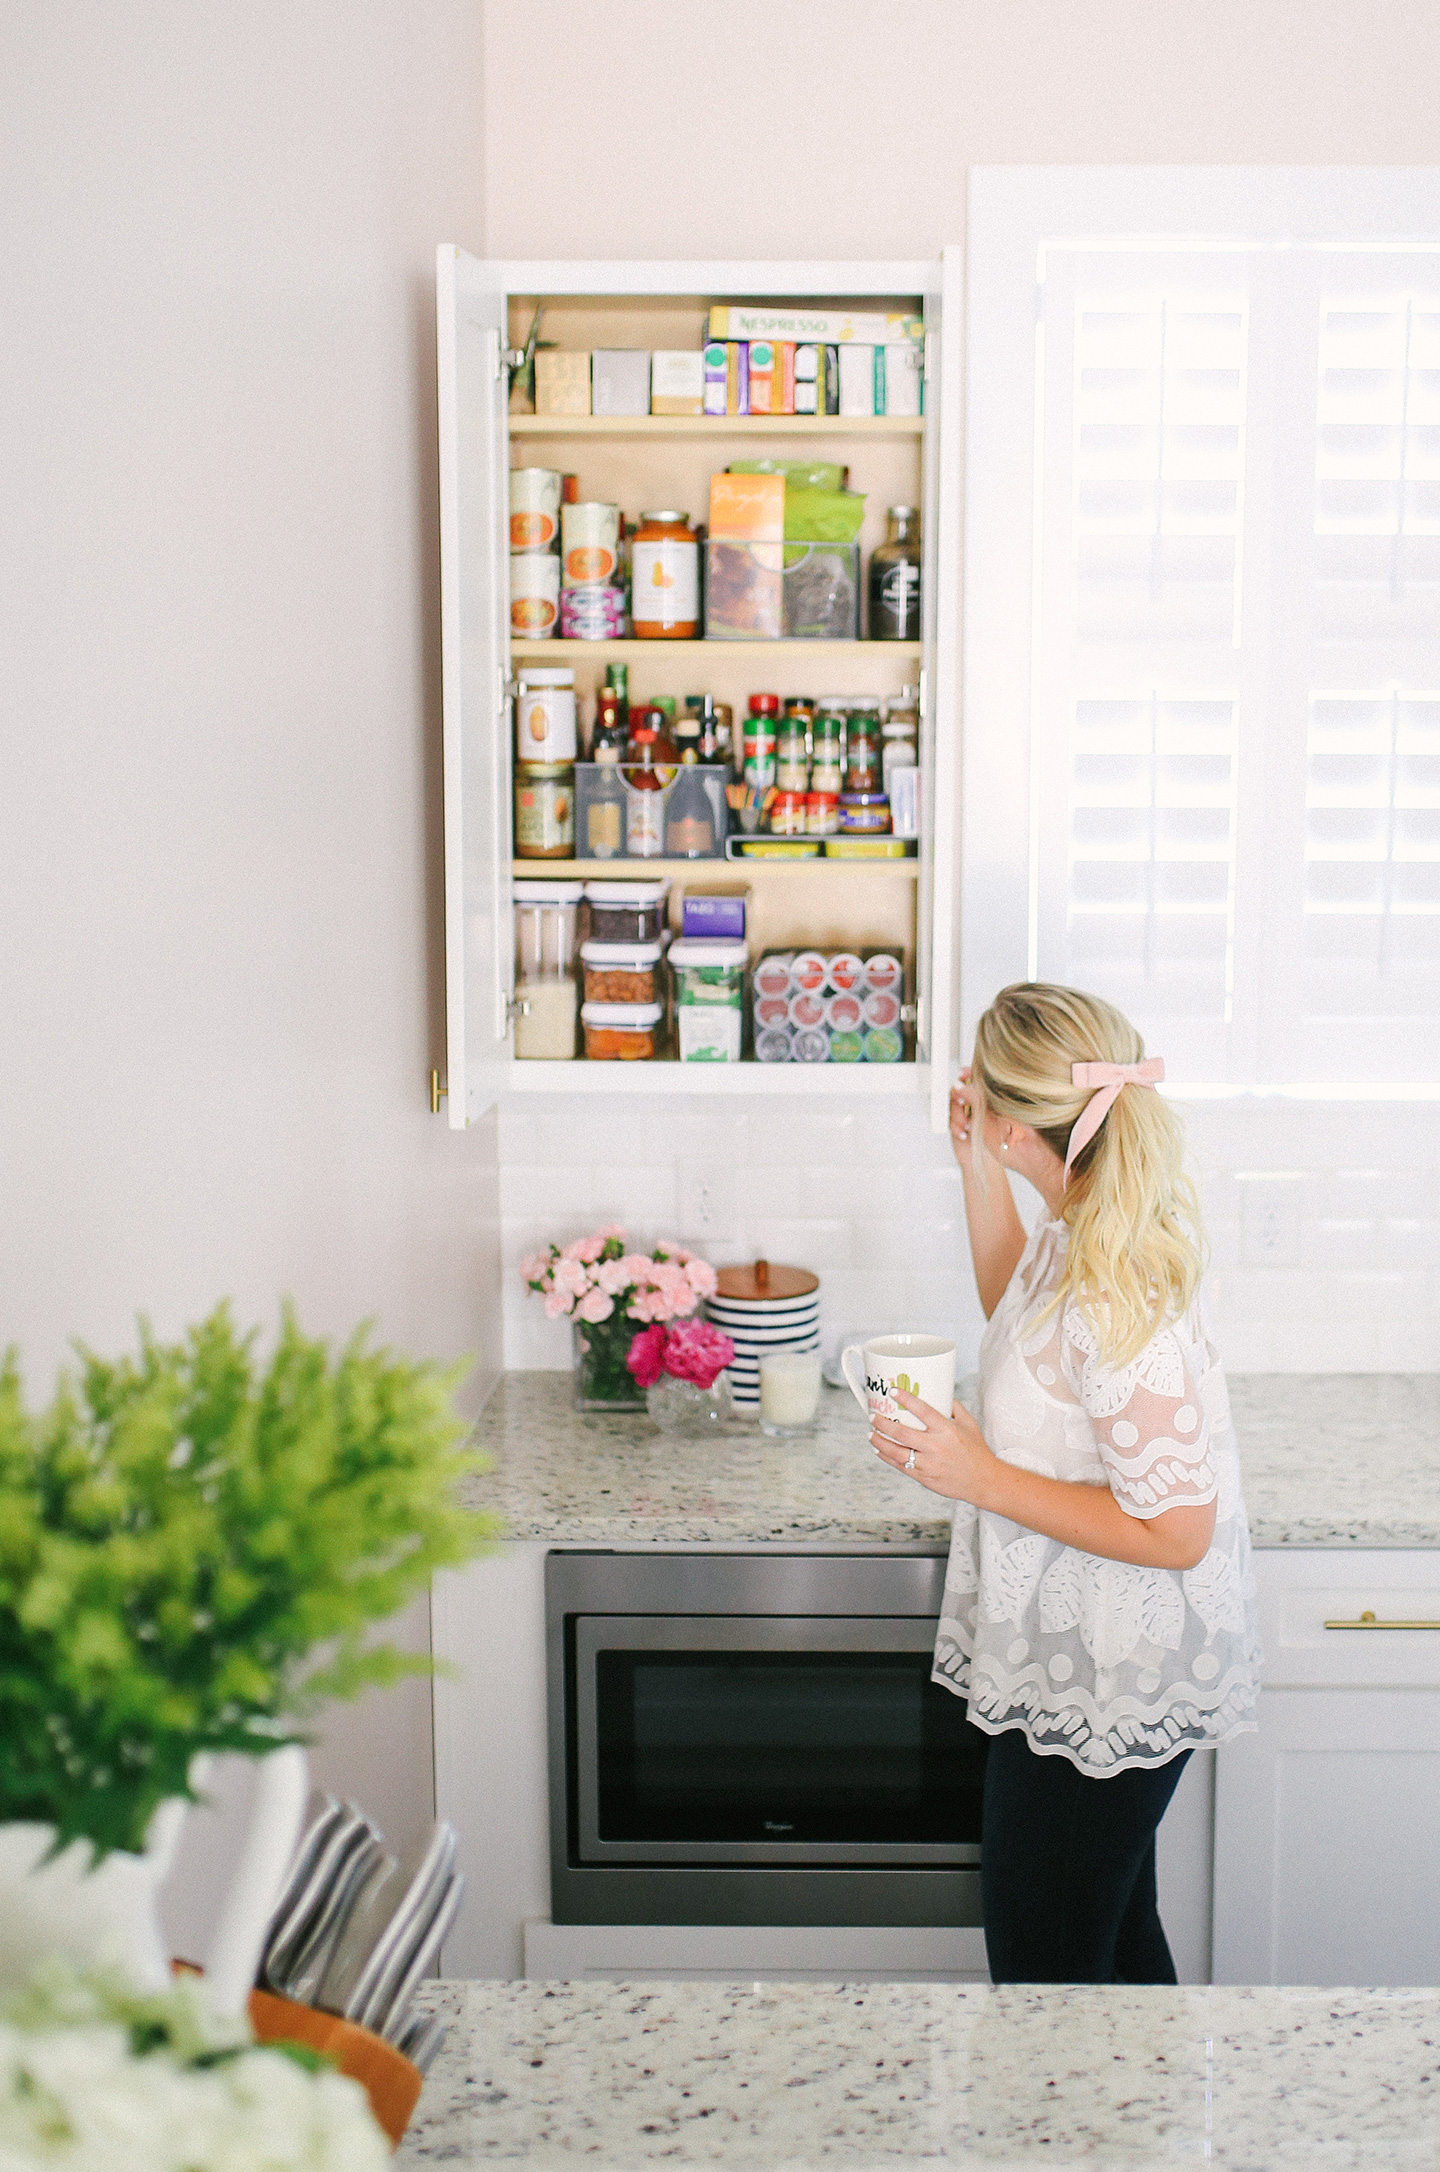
[94, 2078]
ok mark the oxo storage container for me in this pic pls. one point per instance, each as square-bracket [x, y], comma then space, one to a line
[621, 972]
[708, 979]
[624, 1032]
[626, 912]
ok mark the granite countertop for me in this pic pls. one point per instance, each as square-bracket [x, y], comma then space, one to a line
[789, 2075]
[1344, 1459]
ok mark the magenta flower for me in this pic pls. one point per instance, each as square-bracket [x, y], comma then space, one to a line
[646, 1356]
[694, 1350]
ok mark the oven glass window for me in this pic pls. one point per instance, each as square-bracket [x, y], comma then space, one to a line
[784, 1747]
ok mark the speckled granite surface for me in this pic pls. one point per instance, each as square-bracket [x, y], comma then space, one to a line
[791, 2075]
[1328, 1460]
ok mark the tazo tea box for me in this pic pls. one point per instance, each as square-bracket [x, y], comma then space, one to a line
[762, 377]
[678, 376]
[716, 375]
[747, 508]
[562, 382]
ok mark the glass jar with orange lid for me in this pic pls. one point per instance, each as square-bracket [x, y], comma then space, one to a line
[665, 579]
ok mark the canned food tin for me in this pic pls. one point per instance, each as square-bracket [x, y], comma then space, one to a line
[589, 542]
[545, 717]
[822, 814]
[544, 810]
[534, 509]
[787, 814]
[534, 594]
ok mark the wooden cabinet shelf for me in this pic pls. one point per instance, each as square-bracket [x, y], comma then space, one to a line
[717, 426]
[823, 652]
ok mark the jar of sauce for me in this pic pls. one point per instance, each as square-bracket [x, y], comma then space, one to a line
[544, 810]
[665, 579]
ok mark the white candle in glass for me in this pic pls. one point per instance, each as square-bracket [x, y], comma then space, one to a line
[789, 1390]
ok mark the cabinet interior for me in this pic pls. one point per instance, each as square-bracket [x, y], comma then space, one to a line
[643, 463]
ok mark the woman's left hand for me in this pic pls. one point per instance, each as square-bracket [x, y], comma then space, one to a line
[950, 1455]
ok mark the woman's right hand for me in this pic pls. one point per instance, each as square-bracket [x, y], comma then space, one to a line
[961, 1119]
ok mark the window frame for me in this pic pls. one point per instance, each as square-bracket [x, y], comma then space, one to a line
[1015, 213]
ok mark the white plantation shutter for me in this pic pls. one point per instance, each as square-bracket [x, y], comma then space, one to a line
[1232, 812]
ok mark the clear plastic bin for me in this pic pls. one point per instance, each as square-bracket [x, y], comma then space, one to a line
[626, 912]
[624, 1032]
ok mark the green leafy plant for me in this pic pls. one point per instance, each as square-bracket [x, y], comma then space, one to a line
[193, 1547]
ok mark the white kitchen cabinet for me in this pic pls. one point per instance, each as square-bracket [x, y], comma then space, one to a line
[484, 310]
[1327, 1821]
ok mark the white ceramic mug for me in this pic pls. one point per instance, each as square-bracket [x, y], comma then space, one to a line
[920, 1365]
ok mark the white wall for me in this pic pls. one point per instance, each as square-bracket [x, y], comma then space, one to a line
[845, 128]
[220, 972]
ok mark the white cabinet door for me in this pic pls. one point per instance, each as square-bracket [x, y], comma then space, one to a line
[474, 617]
[1327, 1840]
[938, 931]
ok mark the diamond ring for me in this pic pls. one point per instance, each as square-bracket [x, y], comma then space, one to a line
[910, 1461]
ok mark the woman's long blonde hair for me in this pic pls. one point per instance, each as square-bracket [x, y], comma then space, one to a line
[1134, 1257]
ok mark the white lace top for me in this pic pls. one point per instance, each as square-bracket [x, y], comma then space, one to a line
[1099, 1661]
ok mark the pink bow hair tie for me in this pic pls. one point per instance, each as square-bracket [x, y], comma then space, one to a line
[1107, 1079]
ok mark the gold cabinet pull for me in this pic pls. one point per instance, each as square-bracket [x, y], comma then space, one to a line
[438, 1093]
[1368, 1621]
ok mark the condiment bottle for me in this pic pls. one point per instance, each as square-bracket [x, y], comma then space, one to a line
[665, 579]
[617, 681]
[900, 736]
[607, 741]
[895, 579]
[689, 815]
[687, 737]
[650, 766]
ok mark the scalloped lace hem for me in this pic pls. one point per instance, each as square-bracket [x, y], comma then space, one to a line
[1126, 1733]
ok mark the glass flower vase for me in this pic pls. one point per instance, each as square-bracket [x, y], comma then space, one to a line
[603, 1381]
[689, 1412]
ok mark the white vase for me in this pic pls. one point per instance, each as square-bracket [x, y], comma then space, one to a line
[105, 1915]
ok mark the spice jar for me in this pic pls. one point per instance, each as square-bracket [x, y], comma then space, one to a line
[863, 765]
[864, 814]
[665, 579]
[787, 814]
[544, 810]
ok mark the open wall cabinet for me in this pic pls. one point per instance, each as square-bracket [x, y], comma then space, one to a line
[484, 310]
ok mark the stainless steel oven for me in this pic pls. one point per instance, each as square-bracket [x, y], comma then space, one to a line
[755, 1738]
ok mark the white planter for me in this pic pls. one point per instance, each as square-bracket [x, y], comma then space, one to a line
[105, 1915]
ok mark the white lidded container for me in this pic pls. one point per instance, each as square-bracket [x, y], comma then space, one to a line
[627, 912]
[707, 977]
[546, 995]
[545, 716]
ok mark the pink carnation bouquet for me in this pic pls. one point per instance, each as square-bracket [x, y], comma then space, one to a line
[610, 1291]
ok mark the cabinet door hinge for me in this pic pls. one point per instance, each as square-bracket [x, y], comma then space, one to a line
[927, 365]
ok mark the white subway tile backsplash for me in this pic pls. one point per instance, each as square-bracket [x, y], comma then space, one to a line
[1348, 1193]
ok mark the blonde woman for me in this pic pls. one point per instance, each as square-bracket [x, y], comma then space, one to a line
[1098, 1613]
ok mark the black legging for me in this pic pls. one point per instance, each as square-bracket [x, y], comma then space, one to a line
[1067, 1869]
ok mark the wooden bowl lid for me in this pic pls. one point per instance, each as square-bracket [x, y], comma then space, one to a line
[763, 1283]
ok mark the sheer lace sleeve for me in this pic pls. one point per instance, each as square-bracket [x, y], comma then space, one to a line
[1149, 1421]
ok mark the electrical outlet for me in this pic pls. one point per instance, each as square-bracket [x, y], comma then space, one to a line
[1270, 1221]
[706, 1205]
